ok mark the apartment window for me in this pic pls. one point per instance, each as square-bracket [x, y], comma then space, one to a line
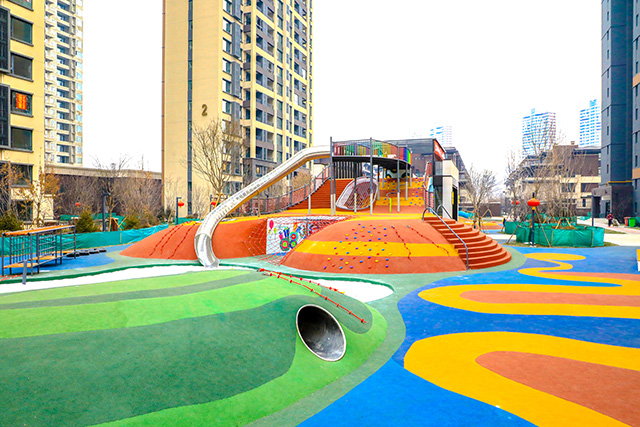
[21, 138]
[24, 3]
[21, 31]
[227, 26]
[21, 66]
[226, 86]
[21, 103]
[226, 46]
[226, 66]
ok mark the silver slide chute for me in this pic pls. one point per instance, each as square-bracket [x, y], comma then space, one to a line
[202, 242]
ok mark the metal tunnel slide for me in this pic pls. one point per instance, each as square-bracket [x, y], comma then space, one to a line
[202, 242]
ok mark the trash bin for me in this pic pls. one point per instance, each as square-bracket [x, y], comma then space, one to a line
[626, 221]
[632, 222]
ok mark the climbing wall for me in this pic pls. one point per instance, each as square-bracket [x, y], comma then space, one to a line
[284, 234]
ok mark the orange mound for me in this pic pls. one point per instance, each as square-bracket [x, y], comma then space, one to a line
[375, 246]
[177, 242]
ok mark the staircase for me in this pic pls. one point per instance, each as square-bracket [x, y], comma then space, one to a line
[484, 252]
[321, 198]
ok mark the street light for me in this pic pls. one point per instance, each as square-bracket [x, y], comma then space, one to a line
[533, 203]
[179, 204]
[104, 209]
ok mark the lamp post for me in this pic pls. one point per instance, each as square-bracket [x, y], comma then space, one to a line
[513, 211]
[104, 210]
[179, 204]
[533, 203]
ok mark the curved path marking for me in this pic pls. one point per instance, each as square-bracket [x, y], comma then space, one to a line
[621, 301]
[474, 364]
[450, 361]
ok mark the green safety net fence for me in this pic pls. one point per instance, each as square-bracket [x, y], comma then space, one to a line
[546, 235]
[112, 238]
[108, 238]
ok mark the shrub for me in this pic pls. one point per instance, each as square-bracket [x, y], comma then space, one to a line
[131, 221]
[85, 223]
[10, 222]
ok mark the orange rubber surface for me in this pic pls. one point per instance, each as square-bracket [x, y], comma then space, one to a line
[358, 247]
[177, 242]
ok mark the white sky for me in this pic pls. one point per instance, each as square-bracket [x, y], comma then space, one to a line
[382, 69]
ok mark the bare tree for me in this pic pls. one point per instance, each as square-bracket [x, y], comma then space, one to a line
[172, 189]
[217, 153]
[10, 176]
[200, 201]
[78, 189]
[514, 184]
[107, 181]
[140, 197]
[40, 194]
[480, 187]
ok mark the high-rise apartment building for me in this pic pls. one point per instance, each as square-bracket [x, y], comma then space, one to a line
[229, 60]
[444, 135]
[538, 132]
[590, 125]
[22, 91]
[619, 168]
[63, 81]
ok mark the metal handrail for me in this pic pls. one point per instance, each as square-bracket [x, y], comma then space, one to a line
[428, 208]
[202, 241]
[306, 189]
[444, 209]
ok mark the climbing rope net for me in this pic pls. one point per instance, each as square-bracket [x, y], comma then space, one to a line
[274, 238]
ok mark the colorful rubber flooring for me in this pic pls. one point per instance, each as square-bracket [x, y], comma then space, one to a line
[555, 343]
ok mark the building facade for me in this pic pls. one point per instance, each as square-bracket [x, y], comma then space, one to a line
[618, 192]
[22, 92]
[235, 61]
[444, 135]
[590, 125]
[538, 132]
[63, 81]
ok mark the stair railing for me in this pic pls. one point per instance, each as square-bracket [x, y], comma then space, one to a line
[428, 208]
[444, 209]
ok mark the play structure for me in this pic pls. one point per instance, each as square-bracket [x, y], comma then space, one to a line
[382, 154]
[330, 225]
[28, 250]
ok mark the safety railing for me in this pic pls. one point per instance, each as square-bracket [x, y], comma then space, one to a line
[271, 205]
[33, 248]
[450, 229]
[368, 148]
[444, 210]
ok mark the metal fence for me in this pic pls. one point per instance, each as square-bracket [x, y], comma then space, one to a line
[367, 148]
[269, 205]
[34, 248]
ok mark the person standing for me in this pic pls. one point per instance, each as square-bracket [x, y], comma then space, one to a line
[610, 218]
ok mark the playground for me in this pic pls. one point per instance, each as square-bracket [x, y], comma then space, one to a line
[361, 303]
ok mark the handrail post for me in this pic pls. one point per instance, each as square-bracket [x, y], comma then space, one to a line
[398, 176]
[371, 176]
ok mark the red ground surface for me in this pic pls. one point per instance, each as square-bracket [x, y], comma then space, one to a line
[361, 232]
[177, 242]
[605, 389]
